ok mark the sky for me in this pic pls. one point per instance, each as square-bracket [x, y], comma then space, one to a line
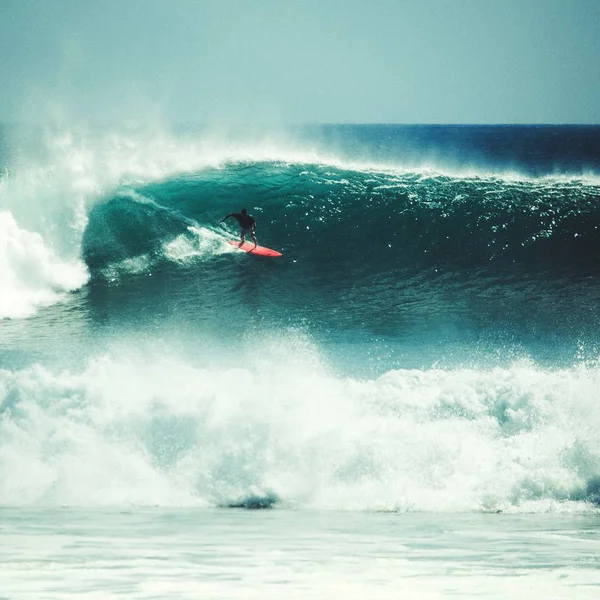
[300, 61]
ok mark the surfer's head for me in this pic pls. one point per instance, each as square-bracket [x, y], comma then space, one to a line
[244, 211]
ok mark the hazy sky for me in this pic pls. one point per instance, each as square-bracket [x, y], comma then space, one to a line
[402, 61]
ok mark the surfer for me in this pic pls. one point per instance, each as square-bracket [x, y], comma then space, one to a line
[247, 224]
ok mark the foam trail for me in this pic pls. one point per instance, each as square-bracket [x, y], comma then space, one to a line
[157, 431]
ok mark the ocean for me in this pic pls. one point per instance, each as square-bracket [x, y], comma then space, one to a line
[405, 404]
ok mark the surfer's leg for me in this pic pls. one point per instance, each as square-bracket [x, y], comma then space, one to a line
[254, 239]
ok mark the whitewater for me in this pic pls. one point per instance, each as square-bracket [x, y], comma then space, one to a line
[406, 402]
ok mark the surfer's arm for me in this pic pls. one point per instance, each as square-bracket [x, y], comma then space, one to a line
[226, 217]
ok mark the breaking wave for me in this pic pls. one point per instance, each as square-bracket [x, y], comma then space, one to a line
[160, 430]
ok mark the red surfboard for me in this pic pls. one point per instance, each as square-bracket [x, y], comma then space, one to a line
[250, 249]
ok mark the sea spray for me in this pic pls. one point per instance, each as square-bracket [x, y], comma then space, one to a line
[150, 430]
[31, 275]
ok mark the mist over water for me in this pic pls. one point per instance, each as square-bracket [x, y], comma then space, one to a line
[427, 341]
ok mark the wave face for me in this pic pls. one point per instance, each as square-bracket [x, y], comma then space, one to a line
[363, 220]
[428, 340]
[364, 249]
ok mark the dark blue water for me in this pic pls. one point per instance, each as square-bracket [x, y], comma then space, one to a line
[535, 150]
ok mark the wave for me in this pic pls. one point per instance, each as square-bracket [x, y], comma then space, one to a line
[47, 189]
[109, 206]
[160, 430]
[52, 181]
[362, 221]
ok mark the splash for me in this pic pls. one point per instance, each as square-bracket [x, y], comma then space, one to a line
[162, 431]
[31, 275]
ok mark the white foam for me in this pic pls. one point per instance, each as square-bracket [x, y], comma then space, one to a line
[150, 430]
[203, 244]
[31, 275]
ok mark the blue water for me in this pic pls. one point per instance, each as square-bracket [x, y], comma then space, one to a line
[426, 345]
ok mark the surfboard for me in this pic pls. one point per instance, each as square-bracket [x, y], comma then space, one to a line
[259, 250]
